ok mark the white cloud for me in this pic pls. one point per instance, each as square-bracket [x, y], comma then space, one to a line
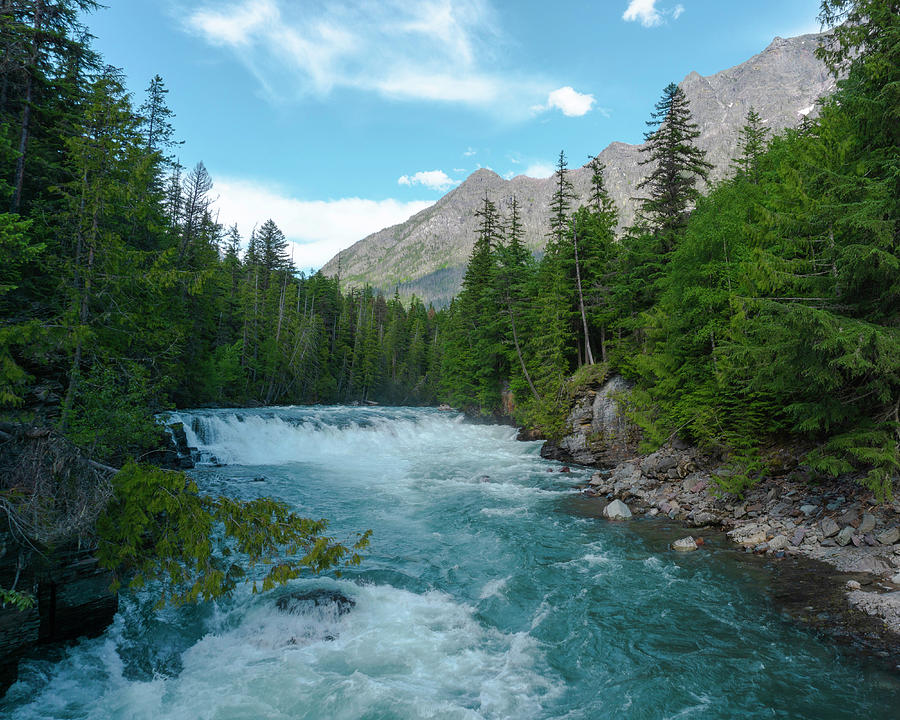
[469, 152]
[540, 170]
[646, 12]
[432, 50]
[568, 100]
[432, 179]
[237, 27]
[317, 229]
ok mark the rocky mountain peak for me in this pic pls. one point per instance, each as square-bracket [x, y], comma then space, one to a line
[426, 255]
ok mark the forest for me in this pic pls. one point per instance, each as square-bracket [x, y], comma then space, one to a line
[762, 310]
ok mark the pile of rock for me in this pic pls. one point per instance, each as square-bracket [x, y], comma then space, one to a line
[840, 524]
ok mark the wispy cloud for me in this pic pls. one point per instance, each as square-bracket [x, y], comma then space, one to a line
[470, 151]
[317, 229]
[569, 101]
[431, 50]
[432, 179]
[647, 14]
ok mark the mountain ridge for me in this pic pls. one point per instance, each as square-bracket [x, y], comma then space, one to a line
[426, 254]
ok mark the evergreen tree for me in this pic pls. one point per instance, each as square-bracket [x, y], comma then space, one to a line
[676, 166]
[752, 140]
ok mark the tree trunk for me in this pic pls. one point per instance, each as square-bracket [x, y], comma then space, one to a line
[26, 111]
[512, 322]
[588, 355]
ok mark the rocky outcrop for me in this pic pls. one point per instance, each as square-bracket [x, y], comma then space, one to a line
[73, 600]
[598, 434]
[427, 254]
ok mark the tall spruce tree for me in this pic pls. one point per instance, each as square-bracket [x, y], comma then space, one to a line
[752, 140]
[676, 165]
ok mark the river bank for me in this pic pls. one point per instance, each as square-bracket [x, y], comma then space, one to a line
[839, 547]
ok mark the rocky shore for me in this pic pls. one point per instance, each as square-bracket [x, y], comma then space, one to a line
[786, 518]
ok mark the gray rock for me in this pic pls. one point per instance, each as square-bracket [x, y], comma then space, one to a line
[685, 544]
[599, 434]
[843, 537]
[867, 524]
[853, 585]
[616, 510]
[829, 528]
[779, 542]
[808, 509]
[889, 536]
[798, 536]
[870, 564]
[703, 517]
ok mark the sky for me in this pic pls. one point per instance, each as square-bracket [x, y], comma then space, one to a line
[339, 118]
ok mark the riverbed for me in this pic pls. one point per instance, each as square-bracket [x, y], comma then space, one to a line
[491, 590]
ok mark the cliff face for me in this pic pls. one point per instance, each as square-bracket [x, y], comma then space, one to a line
[426, 255]
[73, 600]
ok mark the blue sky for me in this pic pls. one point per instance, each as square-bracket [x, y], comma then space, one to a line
[339, 118]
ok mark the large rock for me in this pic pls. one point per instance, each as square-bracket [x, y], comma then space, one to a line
[889, 536]
[829, 527]
[687, 544]
[616, 510]
[598, 433]
[867, 524]
[843, 537]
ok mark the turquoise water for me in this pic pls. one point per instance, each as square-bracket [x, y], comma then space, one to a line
[491, 590]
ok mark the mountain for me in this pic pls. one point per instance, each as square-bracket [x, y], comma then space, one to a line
[427, 254]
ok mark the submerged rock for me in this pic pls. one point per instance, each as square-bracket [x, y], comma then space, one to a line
[616, 510]
[301, 603]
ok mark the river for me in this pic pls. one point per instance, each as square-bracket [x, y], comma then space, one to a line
[490, 590]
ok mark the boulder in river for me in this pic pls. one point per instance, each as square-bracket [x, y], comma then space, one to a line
[616, 510]
[687, 544]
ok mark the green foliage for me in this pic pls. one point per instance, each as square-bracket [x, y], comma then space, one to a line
[18, 600]
[161, 529]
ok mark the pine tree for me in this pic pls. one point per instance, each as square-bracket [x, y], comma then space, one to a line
[156, 119]
[515, 267]
[676, 166]
[752, 140]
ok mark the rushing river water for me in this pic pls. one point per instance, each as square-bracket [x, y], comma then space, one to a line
[491, 590]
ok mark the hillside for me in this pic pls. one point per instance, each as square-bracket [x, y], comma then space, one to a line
[426, 255]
